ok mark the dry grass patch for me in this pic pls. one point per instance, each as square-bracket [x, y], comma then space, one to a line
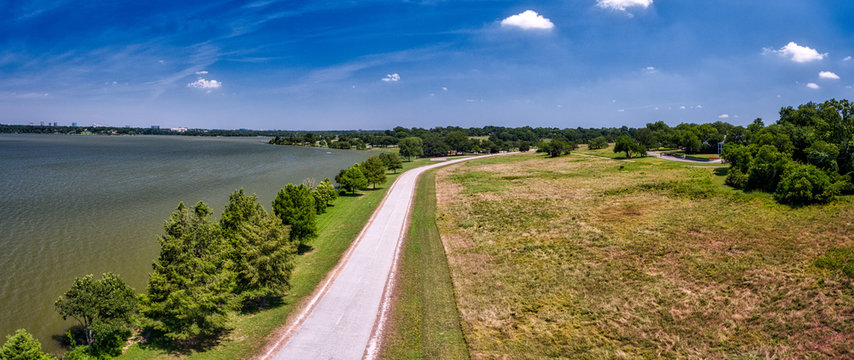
[585, 257]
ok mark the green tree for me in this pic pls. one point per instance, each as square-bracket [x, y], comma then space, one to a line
[738, 156]
[391, 161]
[411, 146]
[457, 141]
[263, 257]
[598, 143]
[524, 146]
[374, 170]
[352, 179]
[294, 204]
[556, 147]
[239, 209]
[625, 144]
[23, 346]
[191, 290]
[326, 192]
[105, 301]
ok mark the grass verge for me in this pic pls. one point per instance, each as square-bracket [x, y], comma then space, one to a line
[337, 228]
[587, 257]
[424, 322]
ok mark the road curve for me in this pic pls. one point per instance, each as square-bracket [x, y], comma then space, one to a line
[344, 317]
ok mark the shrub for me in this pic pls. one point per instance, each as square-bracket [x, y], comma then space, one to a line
[738, 156]
[736, 178]
[804, 184]
[766, 169]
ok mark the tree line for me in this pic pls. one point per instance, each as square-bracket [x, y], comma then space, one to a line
[207, 269]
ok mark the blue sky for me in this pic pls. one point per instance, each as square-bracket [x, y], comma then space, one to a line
[368, 64]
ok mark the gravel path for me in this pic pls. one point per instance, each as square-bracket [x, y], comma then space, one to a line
[344, 318]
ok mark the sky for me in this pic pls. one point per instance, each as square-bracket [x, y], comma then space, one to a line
[372, 64]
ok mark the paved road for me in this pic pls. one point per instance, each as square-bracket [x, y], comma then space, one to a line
[339, 321]
[675, 158]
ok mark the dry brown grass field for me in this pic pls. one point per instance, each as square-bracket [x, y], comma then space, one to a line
[589, 257]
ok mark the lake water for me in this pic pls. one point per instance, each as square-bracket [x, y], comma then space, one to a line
[74, 205]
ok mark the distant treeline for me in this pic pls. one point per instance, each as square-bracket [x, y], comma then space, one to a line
[109, 130]
[444, 140]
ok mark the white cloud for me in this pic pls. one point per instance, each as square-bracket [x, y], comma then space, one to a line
[797, 53]
[847, 58]
[621, 110]
[828, 75]
[723, 116]
[201, 72]
[205, 84]
[650, 68]
[528, 20]
[682, 107]
[699, 106]
[392, 77]
[813, 86]
[622, 5]
[444, 88]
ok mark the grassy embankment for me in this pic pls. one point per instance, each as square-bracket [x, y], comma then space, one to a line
[424, 322]
[588, 257]
[337, 228]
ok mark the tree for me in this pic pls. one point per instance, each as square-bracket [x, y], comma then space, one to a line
[294, 204]
[90, 302]
[391, 161]
[191, 290]
[263, 257]
[738, 156]
[598, 143]
[411, 146]
[435, 146]
[326, 192]
[23, 346]
[556, 147]
[524, 146]
[374, 170]
[352, 179]
[259, 248]
[625, 144]
[457, 141]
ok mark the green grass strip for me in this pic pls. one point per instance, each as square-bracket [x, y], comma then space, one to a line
[424, 323]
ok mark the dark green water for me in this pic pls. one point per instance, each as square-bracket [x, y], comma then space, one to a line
[73, 205]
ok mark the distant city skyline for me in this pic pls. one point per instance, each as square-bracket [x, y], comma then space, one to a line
[321, 65]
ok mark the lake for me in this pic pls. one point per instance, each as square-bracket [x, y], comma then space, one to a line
[75, 205]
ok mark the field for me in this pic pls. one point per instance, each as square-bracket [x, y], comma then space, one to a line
[337, 229]
[590, 257]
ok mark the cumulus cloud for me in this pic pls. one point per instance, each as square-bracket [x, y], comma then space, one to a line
[813, 86]
[205, 84]
[682, 107]
[828, 75]
[201, 72]
[622, 5]
[392, 77]
[444, 88]
[847, 58]
[699, 106]
[797, 53]
[723, 116]
[528, 20]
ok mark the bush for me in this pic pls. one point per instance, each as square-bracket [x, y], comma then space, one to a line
[736, 178]
[597, 143]
[109, 340]
[804, 184]
[766, 169]
[738, 156]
